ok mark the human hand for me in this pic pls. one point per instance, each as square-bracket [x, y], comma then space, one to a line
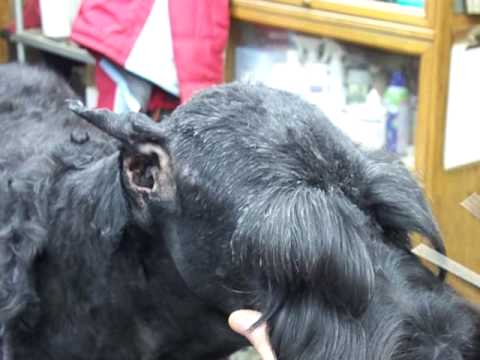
[240, 321]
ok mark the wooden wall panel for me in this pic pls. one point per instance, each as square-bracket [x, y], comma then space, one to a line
[448, 189]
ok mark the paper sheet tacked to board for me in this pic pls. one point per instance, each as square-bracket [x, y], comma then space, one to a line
[472, 205]
[462, 138]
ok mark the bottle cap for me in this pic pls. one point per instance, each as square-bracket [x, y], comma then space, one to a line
[398, 79]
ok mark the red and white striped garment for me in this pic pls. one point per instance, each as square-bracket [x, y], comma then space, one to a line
[177, 45]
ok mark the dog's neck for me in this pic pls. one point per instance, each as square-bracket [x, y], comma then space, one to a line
[111, 286]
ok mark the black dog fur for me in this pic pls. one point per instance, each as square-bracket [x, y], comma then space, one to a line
[139, 244]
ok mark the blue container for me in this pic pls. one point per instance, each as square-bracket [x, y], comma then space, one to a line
[415, 3]
[397, 121]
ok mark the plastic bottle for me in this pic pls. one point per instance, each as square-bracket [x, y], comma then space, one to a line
[398, 114]
[374, 117]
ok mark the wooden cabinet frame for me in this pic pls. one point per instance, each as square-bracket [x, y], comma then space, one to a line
[376, 10]
[4, 20]
[384, 11]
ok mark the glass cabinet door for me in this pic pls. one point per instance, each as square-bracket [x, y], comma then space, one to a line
[369, 94]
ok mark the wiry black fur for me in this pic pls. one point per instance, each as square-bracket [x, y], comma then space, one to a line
[78, 279]
[274, 209]
[323, 229]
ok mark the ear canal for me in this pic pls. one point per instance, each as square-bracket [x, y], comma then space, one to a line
[142, 170]
[147, 170]
[129, 128]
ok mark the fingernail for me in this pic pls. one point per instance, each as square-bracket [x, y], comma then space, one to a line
[242, 320]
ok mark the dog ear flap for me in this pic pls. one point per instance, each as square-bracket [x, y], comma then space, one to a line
[129, 128]
[398, 203]
[146, 165]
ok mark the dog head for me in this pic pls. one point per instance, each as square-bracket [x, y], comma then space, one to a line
[263, 203]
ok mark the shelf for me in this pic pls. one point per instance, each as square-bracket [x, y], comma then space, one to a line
[339, 21]
[379, 10]
[34, 38]
[372, 9]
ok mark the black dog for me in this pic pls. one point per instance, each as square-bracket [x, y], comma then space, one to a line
[140, 245]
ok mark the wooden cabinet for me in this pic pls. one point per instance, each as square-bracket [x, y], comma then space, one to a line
[426, 33]
[4, 19]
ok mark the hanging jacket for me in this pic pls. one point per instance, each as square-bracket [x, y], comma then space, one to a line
[177, 45]
[200, 35]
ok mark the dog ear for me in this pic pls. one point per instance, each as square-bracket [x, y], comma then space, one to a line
[129, 128]
[398, 202]
[146, 165]
[148, 175]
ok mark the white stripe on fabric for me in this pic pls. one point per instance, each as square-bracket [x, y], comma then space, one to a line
[152, 54]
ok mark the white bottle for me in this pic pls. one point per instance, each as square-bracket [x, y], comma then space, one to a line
[374, 120]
